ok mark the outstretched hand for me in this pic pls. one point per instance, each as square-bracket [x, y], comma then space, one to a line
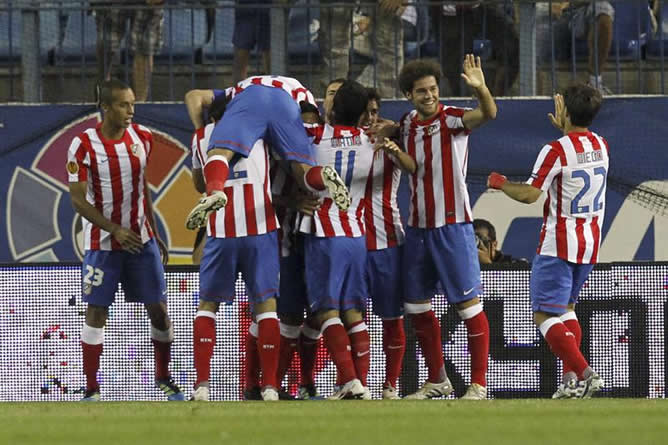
[557, 119]
[473, 75]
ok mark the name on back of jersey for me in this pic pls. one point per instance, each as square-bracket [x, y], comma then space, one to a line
[589, 156]
[346, 141]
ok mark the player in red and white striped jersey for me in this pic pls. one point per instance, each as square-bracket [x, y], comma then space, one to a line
[440, 242]
[108, 189]
[573, 171]
[238, 235]
[384, 241]
[261, 107]
[334, 244]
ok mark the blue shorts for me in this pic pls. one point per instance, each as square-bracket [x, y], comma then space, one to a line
[268, 113]
[293, 288]
[335, 270]
[251, 28]
[141, 275]
[255, 257]
[447, 255]
[556, 283]
[384, 277]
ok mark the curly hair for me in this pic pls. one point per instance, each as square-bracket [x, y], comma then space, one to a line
[415, 70]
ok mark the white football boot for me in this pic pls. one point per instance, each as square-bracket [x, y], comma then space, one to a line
[475, 392]
[206, 205]
[430, 390]
[351, 390]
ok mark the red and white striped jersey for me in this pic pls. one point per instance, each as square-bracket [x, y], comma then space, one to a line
[573, 170]
[350, 152]
[382, 219]
[290, 85]
[114, 172]
[249, 210]
[440, 148]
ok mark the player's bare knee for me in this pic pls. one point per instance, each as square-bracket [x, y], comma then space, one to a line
[228, 154]
[352, 316]
[208, 306]
[325, 315]
[157, 313]
[269, 305]
[96, 316]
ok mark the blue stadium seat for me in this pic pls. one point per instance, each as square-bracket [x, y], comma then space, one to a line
[303, 45]
[630, 30]
[184, 33]
[655, 41]
[7, 34]
[80, 37]
[220, 45]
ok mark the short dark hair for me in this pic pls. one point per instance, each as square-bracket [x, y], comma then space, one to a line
[416, 70]
[349, 104]
[582, 103]
[217, 107]
[104, 91]
[373, 94]
[337, 80]
[480, 223]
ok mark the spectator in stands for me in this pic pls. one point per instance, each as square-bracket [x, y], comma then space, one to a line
[457, 25]
[579, 16]
[485, 235]
[386, 34]
[251, 30]
[372, 116]
[145, 39]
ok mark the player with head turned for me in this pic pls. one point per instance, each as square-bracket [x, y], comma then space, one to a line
[240, 239]
[260, 107]
[440, 244]
[106, 171]
[573, 171]
[334, 245]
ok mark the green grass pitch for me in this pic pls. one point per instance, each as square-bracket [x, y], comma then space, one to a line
[498, 422]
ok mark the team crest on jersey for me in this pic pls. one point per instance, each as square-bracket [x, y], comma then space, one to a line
[135, 149]
[432, 129]
[72, 167]
[87, 289]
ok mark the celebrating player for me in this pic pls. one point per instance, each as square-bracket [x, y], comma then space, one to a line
[334, 246]
[260, 107]
[573, 171]
[108, 188]
[440, 243]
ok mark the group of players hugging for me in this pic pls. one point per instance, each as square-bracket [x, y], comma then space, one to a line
[304, 205]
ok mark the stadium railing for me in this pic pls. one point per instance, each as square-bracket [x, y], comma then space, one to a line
[197, 47]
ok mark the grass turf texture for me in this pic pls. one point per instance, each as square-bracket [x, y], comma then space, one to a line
[498, 422]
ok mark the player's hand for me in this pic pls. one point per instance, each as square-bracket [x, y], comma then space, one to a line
[473, 75]
[128, 239]
[496, 180]
[557, 119]
[390, 6]
[306, 203]
[164, 250]
[483, 255]
[389, 146]
[381, 129]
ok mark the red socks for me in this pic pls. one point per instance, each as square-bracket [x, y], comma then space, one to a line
[252, 361]
[428, 332]
[91, 346]
[478, 341]
[313, 179]
[571, 322]
[338, 345]
[394, 345]
[162, 346]
[216, 171]
[309, 340]
[268, 344]
[562, 343]
[204, 340]
[361, 353]
[289, 336]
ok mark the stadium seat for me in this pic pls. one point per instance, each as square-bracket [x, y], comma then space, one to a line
[655, 41]
[12, 34]
[303, 26]
[80, 38]
[185, 32]
[416, 36]
[220, 45]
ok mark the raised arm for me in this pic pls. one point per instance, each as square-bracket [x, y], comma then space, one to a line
[475, 78]
[196, 101]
